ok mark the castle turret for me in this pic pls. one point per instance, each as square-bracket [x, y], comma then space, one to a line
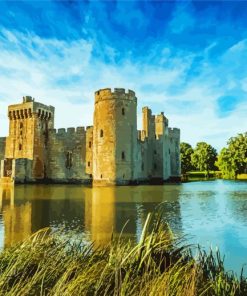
[161, 125]
[114, 137]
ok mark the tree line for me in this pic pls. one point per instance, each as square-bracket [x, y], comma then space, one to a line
[231, 161]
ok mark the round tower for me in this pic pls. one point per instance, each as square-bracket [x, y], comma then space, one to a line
[114, 137]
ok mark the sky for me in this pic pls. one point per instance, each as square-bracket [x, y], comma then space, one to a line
[186, 58]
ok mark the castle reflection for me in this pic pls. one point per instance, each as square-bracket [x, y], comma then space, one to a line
[96, 213]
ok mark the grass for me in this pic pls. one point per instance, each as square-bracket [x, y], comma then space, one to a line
[159, 264]
[202, 174]
[242, 177]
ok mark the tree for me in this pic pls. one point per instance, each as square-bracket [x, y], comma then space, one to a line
[232, 160]
[185, 153]
[204, 157]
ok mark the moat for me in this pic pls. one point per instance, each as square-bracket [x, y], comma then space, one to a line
[211, 213]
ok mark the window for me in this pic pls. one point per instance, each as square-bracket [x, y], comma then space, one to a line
[101, 176]
[88, 164]
[123, 155]
[101, 133]
[155, 166]
[155, 152]
[21, 125]
[123, 111]
[143, 166]
[90, 144]
[20, 147]
[68, 162]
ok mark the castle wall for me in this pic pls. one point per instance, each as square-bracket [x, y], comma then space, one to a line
[89, 151]
[174, 139]
[2, 148]
[157, 169]
[162, 133]
[166, 157]
[148, 136]
[66, 159]
[141, 167]
[2, 155]
[22, 170]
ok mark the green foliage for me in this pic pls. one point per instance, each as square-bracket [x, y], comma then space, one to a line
[185, 153]
[159, 264]
[204, 157]
[232, 160]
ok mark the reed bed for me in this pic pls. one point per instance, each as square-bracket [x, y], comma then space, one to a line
[159, 264]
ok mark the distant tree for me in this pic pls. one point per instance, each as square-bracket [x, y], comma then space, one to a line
[232, 160]
[185, 153]
[204, 157]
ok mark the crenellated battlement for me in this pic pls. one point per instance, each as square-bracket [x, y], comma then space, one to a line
[29, 108]
[174, 132]
[117, 93]
[161, 118]
[80, 130]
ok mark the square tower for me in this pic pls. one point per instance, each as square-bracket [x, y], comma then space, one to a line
[29, 123]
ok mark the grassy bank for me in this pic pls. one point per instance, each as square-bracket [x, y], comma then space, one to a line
[160, 264]
[194, 175]
[242, 177]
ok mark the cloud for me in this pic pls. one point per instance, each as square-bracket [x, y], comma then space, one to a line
[187, 85]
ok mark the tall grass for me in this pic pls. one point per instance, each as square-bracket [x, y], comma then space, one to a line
[160, 264]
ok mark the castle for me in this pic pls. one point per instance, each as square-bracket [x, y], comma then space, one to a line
[111, 152]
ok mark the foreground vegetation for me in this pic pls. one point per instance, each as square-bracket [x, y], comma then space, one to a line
[160, 264]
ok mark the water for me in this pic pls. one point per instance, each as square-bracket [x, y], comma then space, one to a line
[212, 214]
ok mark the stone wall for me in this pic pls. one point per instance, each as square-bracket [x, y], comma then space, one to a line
[2, 154]
[2, 148]
[66, 159]
[23, 170]
[166, 157]
[89, 151]
[174, 139]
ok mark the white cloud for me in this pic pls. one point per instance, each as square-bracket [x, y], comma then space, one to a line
[66, 75]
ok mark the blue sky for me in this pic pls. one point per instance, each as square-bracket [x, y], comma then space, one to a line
[186, 58]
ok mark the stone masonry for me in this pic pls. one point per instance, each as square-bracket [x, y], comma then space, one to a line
[111, 152]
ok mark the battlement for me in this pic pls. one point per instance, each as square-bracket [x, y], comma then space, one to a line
[146, 109]
[108, 94]
[28, 108]
[69, 131]
[174, 132]
[28, 99]
[161, 118]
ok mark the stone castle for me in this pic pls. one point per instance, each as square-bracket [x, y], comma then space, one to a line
[111, 152]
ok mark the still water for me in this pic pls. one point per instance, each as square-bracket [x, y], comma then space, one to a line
[213, 213]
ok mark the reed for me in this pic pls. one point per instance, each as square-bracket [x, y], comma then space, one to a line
[159, 264]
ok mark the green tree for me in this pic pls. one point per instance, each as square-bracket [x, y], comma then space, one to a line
[204, 157]
[232, 160]
[185, 153]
